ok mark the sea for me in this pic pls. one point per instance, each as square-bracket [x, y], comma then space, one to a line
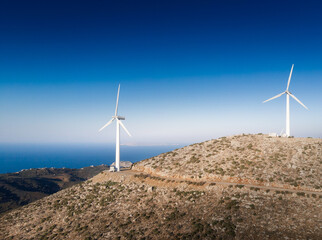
[16, 157]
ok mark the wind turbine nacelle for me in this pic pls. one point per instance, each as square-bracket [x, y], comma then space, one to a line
[119, 117]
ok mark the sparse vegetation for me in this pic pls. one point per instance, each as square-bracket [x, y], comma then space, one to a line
[251, 157]
[179, 195]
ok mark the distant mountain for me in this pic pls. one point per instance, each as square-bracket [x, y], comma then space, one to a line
[239, 187]
[26, 186]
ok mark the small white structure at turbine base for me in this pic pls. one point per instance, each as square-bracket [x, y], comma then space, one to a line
[272, 135]
[118, 123]
[288, 94]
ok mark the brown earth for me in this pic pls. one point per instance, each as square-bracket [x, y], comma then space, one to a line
[20, 188]
[247, 159]
[164, 203]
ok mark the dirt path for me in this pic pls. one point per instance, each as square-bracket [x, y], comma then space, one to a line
[132, 173]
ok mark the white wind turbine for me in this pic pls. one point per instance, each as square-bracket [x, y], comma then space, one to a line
[118, 123]
[288, 94]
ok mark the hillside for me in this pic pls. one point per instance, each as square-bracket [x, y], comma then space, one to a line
[21, 188]
[165, 202]
[259, 159]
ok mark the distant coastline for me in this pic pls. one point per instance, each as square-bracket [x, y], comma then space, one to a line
[15, 157]
[26, 186]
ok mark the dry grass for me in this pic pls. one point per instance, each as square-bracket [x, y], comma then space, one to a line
[173, 205]
[258, 159]
[134, 208]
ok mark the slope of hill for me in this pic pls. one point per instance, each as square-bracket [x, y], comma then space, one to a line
[164, 202]
[258, 159]
[21, 188]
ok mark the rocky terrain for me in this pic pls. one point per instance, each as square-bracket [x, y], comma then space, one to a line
[21, 188]
[259, 159]
[165, 198]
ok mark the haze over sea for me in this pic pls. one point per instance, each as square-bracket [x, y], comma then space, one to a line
[15, 157]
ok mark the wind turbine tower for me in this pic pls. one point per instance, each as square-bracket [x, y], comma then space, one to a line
[288, 94]
[118, 123]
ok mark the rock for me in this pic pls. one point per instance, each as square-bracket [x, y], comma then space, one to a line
[151, 189]
[235, 144]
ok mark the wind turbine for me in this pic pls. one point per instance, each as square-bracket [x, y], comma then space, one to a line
[288, 94]
[118, 123]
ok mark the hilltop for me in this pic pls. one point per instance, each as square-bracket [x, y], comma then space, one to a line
[183, 195]
[20, 188]
[258, 159]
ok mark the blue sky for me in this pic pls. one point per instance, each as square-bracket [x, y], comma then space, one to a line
[189, 70]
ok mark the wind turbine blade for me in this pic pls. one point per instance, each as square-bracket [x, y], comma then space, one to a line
[117, 100]
[274, 97]
[122, 125]
[289, 78]
[106, 124]
[298, 100]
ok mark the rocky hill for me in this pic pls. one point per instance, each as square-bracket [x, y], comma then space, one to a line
[259, 159]
[26, 186]
[165, 198]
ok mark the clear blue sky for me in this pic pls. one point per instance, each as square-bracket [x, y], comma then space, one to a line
[189, 70]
